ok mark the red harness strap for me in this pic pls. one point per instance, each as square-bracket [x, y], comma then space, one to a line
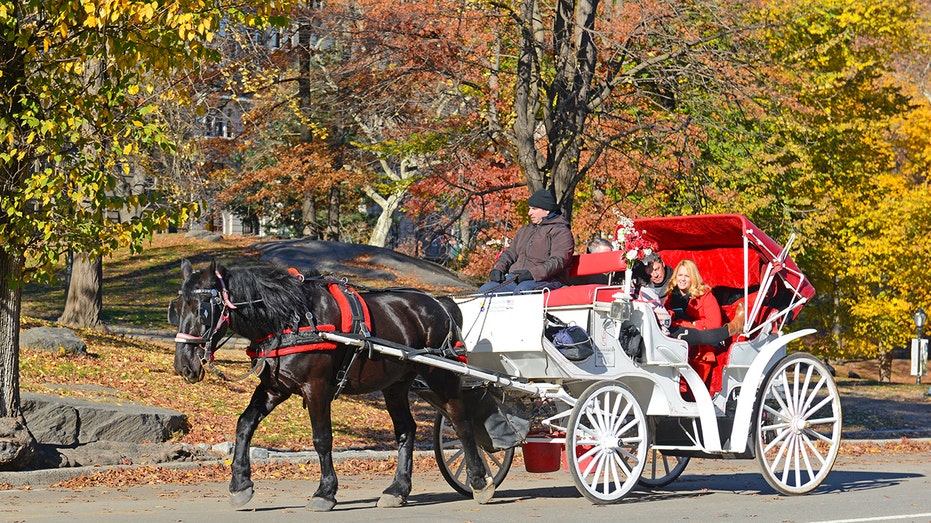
[354, 313]
[292, 349]
[347, 309]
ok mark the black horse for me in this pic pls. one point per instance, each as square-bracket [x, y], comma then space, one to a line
[275, 308]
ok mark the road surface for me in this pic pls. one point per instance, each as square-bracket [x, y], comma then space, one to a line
[859, 489]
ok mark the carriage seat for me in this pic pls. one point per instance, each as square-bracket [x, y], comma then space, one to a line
[583, 265]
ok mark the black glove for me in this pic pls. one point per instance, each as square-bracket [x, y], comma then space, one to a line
[522, 275]
[496, 276]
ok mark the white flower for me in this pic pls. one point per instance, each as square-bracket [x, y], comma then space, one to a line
[632, 254]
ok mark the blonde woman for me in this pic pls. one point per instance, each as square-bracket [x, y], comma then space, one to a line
[696, 317]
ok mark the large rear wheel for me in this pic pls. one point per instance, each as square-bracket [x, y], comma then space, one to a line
[450, 457]
[797, 424]
[607, 442]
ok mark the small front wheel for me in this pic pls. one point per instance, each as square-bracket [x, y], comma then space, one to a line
[447, 448]
[606, 442]
[797, 424]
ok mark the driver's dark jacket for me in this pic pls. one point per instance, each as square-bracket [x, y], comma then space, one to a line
[545, 249]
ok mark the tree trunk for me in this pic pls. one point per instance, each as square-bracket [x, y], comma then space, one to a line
[85, 293]
[309, 217]
[885, 365]
[560, 109]
[332, 225]
[17, 445]
[379, 236]
[465, 232]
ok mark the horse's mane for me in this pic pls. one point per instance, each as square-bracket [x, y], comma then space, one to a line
[275, 296]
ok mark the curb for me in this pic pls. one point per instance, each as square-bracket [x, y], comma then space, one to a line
[260, 456]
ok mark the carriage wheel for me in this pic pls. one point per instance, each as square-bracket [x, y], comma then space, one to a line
[662, 469]
[449, 456]
[798, 424]
[607, 442]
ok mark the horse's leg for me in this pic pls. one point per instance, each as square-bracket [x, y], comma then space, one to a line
[399, 408]
[263, 401]
[318, 394]
[483, 487]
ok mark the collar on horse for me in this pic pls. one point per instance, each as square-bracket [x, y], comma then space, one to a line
[354, 319]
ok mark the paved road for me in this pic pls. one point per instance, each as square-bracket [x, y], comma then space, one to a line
[866, 488]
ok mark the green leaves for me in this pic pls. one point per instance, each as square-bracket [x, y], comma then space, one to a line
[76, 81]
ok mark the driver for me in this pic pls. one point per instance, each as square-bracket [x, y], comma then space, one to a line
[540, 253]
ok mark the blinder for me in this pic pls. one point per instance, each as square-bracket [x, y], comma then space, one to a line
[208, 310]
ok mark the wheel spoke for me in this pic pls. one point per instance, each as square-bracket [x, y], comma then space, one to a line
[812, 451]
[817, 408]
[785, 399]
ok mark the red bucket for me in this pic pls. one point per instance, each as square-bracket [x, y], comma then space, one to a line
[542, 451]
[579, 451]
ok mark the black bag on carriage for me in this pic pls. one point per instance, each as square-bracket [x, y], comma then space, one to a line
[571, 340]
[631, 340]
[497, 423]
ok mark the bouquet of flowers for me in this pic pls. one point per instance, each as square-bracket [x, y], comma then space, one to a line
[632, 242]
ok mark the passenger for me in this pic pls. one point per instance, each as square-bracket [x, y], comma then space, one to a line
[696, 314]
[696, 318]
[540, 253]
[599, 245]
[653, 278]
[595, 246]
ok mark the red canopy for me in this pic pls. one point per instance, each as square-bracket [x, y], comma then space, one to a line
[729, 250]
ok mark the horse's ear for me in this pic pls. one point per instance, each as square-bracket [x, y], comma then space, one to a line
[186, 269]
[217, 269]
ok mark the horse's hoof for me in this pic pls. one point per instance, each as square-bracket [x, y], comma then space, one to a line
[390, 501]
[485, 494]
[321, 505]
[238, 499]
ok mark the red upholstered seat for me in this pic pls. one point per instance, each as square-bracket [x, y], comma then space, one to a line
[580, 295]
[588, 265]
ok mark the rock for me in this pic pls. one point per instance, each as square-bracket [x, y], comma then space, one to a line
[853, 375]
[58, 420]
[224, 449]
[17, 446]
[57, 340]
[204, 235]
[103, 453]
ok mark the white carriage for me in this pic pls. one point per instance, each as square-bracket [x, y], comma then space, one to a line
[616, 419]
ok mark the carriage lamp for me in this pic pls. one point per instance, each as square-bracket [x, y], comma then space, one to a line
[920, 317]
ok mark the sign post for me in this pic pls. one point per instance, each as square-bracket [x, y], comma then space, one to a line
[919, 358]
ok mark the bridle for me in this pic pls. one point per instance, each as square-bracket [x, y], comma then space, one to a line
[209, 300]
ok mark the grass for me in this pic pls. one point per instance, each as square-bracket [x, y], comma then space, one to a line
[137, 288]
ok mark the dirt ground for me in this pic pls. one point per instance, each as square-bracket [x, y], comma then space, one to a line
[872, 409]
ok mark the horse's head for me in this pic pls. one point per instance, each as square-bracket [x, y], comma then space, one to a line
[201, 312]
